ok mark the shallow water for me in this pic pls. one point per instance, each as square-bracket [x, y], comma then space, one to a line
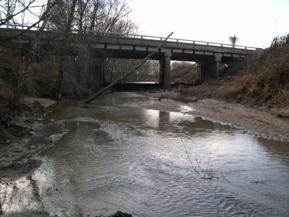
[153, 163]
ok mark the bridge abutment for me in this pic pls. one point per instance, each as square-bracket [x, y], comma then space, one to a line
[91, 73]
[165, 70]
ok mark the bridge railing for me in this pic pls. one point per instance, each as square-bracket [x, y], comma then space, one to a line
[137, 36]
[176, 40]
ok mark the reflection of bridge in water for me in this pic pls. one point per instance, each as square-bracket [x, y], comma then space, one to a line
[111, 45]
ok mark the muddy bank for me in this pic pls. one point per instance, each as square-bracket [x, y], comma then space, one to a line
[25, 132]
[18, 121]
[20, 128]
[269, 122]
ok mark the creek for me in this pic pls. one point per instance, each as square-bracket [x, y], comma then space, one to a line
[153, 163]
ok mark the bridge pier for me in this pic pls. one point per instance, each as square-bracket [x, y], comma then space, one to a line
[91, 73]
[96, 73]
[165, 70]
[211, 69]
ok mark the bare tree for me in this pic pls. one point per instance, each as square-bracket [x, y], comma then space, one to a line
[44, 20]
[25, 14]
[87, 16]
[67, 30]
[80, 15]
[17, 13]
[90, 15]
[66, 17]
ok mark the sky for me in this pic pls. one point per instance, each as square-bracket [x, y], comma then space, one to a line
[254, 22]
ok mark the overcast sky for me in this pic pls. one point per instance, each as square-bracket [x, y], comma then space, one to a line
[254, 22]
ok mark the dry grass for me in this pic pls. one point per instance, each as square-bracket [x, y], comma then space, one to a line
[266, 80]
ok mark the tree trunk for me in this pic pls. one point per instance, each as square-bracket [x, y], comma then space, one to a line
[64, 50]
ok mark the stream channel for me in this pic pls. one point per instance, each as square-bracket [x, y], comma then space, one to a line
[118, 155]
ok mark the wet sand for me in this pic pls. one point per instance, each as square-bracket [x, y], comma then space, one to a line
[263, 121]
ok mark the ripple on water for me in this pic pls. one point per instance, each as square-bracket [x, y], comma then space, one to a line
[156, 163]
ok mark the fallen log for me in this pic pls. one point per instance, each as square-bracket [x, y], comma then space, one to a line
[94, 96]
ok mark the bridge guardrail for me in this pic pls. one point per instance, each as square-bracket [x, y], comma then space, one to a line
[137, 36]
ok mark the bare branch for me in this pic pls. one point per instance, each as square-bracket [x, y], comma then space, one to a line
[9, 16]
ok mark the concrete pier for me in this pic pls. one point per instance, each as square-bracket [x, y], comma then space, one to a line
[211, 68]
[165, 70]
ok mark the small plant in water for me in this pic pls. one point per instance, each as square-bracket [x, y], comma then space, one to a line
[205, 173]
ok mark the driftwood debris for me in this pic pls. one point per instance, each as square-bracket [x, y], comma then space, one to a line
[94, 96]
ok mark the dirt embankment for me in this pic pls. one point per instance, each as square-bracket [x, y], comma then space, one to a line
[20, 126]
[18, 120]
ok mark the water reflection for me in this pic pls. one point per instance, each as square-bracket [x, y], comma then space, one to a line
[151, 117]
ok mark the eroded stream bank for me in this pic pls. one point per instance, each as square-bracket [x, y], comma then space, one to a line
[150, 157]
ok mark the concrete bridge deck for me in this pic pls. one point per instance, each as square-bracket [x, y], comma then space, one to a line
[131, 46]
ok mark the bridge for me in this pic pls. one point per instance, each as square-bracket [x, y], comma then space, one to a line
[131, 46]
